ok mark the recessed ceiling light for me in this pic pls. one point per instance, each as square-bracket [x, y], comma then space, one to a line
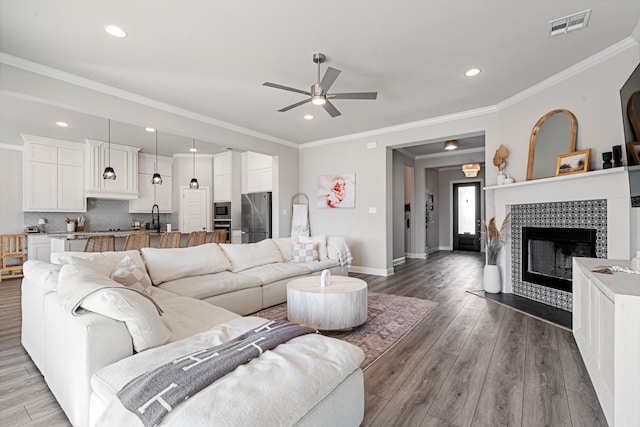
[150, 129]
[193, 150]
[472, 72]
[308, 117]
[62, 124]
[115, 31]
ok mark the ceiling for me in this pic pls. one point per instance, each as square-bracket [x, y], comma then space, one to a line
[211, 58]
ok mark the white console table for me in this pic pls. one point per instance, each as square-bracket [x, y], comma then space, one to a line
[606, 327]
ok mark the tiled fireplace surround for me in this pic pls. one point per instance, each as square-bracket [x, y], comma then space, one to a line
[597, 200]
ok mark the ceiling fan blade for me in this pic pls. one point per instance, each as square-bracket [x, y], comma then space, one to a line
[331, 109]
[353, 95]
[290, 89]
[297, 104]
[329, 77]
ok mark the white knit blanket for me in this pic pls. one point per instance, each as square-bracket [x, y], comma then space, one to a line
[277, 388]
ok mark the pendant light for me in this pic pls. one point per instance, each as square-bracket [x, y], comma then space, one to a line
[109, 173]
[156, 179]
[194, 182]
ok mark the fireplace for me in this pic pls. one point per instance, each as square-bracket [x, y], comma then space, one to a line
[547, 254]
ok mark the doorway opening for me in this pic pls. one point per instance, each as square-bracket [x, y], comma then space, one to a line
[408, 198]
[466, 216]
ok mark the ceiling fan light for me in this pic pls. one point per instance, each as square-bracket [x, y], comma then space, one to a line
[194, 184]
[318, 100]
[156, 179]
[452, 144]
[109, 173]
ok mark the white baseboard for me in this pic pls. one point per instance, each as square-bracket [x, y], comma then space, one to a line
[418, 255]
[372, 271]
[445, 248]
[398, 261]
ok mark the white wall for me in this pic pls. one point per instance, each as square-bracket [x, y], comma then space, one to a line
[365, 232]
[590, 90]
[11, 190]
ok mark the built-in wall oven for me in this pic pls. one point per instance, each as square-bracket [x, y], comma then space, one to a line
[223, 225]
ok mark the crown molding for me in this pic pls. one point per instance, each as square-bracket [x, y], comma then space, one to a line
[190, 155]
[76, 80]
[11, 147]
[570, 72]
[402, 127]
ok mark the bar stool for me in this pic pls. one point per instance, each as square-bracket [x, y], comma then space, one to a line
[12, 247]
[197, 238]
[170, 239]
[101, 243]
[219, 236]
[137, 241]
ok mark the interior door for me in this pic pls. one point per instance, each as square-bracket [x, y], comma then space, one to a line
[194, 210]
[466, 216]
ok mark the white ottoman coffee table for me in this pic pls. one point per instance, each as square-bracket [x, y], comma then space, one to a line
[341, 305]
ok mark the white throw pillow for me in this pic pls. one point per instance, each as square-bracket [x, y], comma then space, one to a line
[305, 252]
[43, 274]
[249, 255]
[103, 262]
[285, 245]
[175, 263]
[113, 300]
[321, 240]
[130, 274]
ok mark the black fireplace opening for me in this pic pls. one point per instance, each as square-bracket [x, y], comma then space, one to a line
[547, 254]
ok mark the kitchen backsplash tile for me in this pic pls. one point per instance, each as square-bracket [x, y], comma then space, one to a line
[102, 214]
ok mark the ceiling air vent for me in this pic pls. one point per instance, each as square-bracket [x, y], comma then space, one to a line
[568, 23]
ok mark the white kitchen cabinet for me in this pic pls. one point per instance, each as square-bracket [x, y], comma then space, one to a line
[67, 245]
[38, 247]
[53, 175]
[257, 172]
[606, 315]
[123, 159]
[222, 177]
[150, 194]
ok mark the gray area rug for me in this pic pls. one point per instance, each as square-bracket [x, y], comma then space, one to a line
[390, 317]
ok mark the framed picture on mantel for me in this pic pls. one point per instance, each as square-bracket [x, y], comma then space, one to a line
[573, 162]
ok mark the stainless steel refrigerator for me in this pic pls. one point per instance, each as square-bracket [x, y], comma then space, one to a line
[256, 217]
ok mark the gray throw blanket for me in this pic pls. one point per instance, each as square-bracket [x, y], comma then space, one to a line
[154, 394]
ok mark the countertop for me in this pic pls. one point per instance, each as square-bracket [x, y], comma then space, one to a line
[84, 235]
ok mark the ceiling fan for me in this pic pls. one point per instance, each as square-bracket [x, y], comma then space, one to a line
[319, 91]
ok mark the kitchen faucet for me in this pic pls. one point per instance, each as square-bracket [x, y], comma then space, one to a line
[155, 220]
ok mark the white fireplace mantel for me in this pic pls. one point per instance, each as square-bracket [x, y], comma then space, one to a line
[610, 184]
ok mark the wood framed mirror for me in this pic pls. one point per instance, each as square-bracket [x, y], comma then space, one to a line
[554, 134]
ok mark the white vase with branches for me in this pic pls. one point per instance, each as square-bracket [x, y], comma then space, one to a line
[494, 240]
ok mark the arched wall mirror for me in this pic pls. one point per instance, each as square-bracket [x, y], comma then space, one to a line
[554, 134]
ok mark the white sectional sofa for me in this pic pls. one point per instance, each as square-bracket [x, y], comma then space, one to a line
[92, 322]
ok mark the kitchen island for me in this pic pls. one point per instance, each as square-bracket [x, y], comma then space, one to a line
[75, 242]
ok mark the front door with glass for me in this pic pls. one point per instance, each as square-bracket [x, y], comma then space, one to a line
[466, 216]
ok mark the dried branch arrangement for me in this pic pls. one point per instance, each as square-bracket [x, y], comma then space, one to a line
[495, 238]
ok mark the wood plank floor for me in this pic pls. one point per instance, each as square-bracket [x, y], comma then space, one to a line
[470, 362]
